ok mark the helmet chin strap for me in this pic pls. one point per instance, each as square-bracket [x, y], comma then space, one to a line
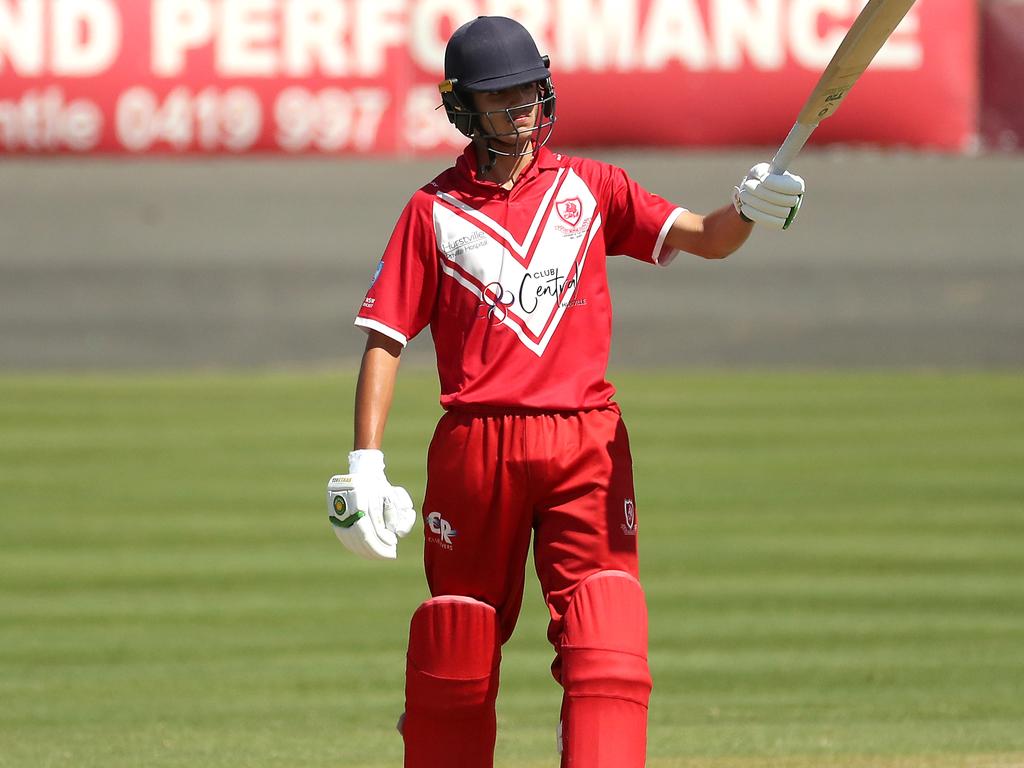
[492, 158]
[493, 154]
[526, 143]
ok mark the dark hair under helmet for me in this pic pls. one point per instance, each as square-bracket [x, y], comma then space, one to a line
[491, 53]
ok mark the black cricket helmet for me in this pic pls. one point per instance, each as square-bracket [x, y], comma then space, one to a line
[492, 53]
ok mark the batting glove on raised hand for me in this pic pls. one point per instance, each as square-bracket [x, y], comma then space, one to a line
[369, 514]
[769, 198]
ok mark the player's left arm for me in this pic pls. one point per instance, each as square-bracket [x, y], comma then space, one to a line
[771, 199]
[713, 236]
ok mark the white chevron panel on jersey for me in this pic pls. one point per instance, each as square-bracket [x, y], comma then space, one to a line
[519, 248]
[525, 286]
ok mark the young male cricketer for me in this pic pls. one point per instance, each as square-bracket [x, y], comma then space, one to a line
[503, 256]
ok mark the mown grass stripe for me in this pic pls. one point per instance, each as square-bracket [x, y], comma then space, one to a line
[832, 560]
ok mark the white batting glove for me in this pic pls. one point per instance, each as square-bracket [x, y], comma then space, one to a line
[769, 198]
[369, 514]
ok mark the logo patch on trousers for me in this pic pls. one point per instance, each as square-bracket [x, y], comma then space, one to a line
[629, 513]
[442, 528]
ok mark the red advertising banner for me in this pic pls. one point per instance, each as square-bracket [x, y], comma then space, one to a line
[1002, 64]
[359, 76]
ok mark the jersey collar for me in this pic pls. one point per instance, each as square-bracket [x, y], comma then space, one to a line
[543, 159]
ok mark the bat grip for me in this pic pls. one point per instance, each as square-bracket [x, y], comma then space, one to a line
[798, 136]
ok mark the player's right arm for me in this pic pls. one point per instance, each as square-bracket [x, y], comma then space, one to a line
[367, 512]
[375, 390]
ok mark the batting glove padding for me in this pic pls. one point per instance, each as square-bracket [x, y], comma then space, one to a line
[369, 514]
[769, 198]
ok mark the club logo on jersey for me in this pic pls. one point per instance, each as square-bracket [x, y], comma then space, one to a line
[527, 285]
[570, 211]
[438, 525]
[629, 513]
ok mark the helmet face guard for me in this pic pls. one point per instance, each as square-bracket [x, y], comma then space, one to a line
[458, 104]
[489, 54]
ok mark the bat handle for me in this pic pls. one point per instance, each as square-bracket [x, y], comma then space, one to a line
[798, 136]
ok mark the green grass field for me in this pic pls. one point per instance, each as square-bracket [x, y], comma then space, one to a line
[834, 565]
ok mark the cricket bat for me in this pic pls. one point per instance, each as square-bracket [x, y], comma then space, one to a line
[868, 34]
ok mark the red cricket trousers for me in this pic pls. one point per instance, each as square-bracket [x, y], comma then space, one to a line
[495, 479]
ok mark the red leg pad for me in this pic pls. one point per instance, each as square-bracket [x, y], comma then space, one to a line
[451, 683]
[604, 672]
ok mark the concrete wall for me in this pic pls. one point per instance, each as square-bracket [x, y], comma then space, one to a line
[896, 260]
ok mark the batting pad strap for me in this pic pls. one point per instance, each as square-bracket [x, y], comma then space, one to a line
[611, 674]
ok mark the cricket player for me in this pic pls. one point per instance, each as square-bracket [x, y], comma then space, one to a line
[503, 257]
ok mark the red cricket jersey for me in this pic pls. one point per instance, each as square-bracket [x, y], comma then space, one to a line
[513, 282]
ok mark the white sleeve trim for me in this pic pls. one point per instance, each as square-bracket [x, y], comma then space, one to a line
[372, 325]
[662, 255]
